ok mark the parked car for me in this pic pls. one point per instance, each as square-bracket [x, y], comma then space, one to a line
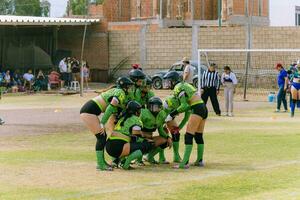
[158, 81]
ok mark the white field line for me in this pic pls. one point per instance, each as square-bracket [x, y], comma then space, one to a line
[81, 195]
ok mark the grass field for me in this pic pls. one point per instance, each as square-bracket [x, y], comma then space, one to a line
[254, 155]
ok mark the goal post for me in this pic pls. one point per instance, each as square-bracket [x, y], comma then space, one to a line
[247, 57]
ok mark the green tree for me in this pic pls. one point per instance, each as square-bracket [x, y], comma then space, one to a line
[6, 7]
[27, 7]
[78, 7]
[45, 8]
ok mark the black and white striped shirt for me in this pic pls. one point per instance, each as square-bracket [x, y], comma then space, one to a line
[210, 79]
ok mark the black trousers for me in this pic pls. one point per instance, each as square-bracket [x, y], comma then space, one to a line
[212, 94]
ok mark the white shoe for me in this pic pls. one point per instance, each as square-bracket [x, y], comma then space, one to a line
[225, 114]
[230, 114]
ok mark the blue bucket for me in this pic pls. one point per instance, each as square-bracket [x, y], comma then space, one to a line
[271, 97]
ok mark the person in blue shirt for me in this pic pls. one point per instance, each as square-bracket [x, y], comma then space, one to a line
[282, 80]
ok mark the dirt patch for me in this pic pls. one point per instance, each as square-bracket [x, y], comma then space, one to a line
[40, 121]
[40, 114]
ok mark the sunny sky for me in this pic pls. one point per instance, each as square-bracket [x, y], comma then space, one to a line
[282, 12]
[58, 8]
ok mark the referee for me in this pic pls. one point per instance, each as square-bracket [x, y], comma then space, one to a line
[210, 85]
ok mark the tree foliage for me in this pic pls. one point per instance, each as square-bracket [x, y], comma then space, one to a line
[6, 7]
[79, 7]
[23, 7]
[28, 7]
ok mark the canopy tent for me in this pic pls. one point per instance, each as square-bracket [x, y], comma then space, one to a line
[44, 21]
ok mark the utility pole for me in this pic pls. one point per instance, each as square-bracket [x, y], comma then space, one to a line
[248, 43]
[160, 9]
[192, 11]
[220, 12]
[82, 49]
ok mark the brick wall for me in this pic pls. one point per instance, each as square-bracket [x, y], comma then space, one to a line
[96, 48]
[166, 46]
[239, 7]
[113, 11]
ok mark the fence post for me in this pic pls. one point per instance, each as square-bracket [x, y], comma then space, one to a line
[248, 44]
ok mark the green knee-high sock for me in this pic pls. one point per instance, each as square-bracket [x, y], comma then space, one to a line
[162, 157]
[200, 151]
[140, 159]
[187, 154]
[151, 155]
[101, 164]
[134, 155]
[176, 156]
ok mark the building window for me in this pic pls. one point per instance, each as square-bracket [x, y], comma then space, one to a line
[297, 16]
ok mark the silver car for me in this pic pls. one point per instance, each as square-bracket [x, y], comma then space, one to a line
[158, 81]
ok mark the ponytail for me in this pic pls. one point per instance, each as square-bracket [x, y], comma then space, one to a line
[106, 89]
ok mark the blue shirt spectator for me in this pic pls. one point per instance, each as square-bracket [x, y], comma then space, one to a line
[281, 95]
[281, 77]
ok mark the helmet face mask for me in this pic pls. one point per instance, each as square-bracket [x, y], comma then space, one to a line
[155, 105]
[137, 76]
[124, 83]
[154, 108]
[133, 108]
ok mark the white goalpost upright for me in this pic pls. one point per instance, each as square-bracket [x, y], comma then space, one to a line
[234, 50]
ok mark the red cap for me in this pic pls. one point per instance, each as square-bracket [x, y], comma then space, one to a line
[135, 66]
[278, 65]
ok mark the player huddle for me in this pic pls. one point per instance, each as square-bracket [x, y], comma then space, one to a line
[137, 113]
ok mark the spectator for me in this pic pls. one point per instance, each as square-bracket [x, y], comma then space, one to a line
[53, 79]
[75, 69]
[69, 72]
[14, 87]
[41, 82]
[188, 71]
[7, 79]
[229, 82]
[1, 79]
[17, 78]
[63, 71]
[282, 81]
[28, 79]
[86, 75]
[210, 85]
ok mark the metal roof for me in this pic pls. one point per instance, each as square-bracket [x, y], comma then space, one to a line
[44, 21]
